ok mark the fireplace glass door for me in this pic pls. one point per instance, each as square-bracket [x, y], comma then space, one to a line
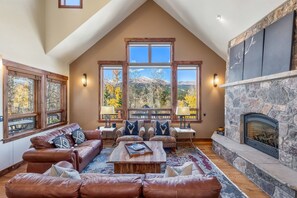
[261, 132]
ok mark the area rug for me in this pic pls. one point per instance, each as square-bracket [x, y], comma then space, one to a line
[177, 158]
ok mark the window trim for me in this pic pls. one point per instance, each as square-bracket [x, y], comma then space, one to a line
[197, 64]
[173, 64]
[40, 98]
[60, 5]
[63, 103]
[123, 64]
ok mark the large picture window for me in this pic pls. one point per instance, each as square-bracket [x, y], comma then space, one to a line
[152, 84]
[149, 87]
[25, 90]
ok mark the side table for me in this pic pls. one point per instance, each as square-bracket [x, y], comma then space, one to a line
[104, 131]
[190, 133]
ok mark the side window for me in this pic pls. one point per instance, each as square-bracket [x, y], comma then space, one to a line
[111, 88]
[22, 103]
[188, 89]
[34, 100]
[55, 104]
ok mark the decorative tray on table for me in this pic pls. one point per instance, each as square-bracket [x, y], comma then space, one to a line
[137, 148]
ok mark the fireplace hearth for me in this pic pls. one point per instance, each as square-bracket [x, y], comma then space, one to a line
[261, 132]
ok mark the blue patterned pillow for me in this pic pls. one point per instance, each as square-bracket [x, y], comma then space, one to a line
[78, 136]
[61, 142]
[162, 129]
[131, 128]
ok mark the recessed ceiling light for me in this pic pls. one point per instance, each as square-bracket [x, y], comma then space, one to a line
[219, 17]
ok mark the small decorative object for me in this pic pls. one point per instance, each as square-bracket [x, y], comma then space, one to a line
[189, 125]
[182, 112]
[221, 131]
[114, 125]
[107, 111]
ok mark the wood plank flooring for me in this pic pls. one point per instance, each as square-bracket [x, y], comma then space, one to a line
[247, 186]
[235, 176]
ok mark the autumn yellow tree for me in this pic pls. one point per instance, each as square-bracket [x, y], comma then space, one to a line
[113, 91]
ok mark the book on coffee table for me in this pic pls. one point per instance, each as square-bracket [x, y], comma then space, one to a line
[136, 149]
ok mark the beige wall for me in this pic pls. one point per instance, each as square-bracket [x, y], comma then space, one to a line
[148, 21]
[60, 22]
[22, 39]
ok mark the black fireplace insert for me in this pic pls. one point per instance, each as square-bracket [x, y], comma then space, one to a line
[261, 132]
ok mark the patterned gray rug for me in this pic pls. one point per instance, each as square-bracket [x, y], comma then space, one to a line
[182, 155]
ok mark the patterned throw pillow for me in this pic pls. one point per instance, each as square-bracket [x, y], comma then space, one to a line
[57, 171]
[61, 142]
[183, 170]
[162, 129]
[78, 136]
[131, 128]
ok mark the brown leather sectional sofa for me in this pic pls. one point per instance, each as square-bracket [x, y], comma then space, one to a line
[197, 185]
[43, 154]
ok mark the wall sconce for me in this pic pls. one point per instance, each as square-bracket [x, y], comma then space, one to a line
[84, 80]
[215, 80]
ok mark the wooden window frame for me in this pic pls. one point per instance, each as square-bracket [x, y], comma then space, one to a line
[198, 65]
[41, 77]
[69, 6]
[123, 64]
[173, 64]
[63, 102]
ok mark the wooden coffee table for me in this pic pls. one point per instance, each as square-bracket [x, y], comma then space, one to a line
[148, 163]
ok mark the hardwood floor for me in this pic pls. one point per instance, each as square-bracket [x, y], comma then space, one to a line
[235, 176]
[247, 186]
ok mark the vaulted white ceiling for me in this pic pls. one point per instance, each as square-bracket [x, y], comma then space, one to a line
[198, 16]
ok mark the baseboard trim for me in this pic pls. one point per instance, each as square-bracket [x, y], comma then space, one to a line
[11, 168]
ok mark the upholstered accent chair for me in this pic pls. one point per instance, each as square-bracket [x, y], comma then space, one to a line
[121, 136]
[169, 141]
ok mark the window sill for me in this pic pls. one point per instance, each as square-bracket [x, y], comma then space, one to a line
[29, 133]
[148, 121]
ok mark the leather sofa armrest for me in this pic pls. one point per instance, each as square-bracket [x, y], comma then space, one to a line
[172, 132]
[120, 132]
[151, 132]
[38, 185]
[141, 132]
[92, 134]
[50, 155]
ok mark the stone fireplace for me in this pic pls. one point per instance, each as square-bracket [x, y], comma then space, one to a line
[261, 133]
[261, 118]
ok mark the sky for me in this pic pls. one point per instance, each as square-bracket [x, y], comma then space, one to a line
[159, 54]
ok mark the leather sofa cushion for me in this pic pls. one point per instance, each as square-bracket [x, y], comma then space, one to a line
[92, 175]
[194, 186]
[91, 143]
[70, 127]
[43, 141]
[38, 185]
[110, 187]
